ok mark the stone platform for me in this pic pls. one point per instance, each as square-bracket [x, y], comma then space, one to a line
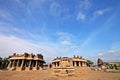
[64, 71]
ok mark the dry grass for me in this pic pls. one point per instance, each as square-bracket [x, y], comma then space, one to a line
[81, 74]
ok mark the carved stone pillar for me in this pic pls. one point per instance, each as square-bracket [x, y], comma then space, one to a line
[71, 63]
[83, 63]
[13, 65]
[55, 64]
[9, 64]
[30, 63]
[36, 63]
[18, 63]
[22, 63]
[75, 63]
[79, 63]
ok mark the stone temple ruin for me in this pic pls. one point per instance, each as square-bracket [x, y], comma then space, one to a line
[106, 66]
[61, 66]
[76, 61]
[65, 66]
[25, 61]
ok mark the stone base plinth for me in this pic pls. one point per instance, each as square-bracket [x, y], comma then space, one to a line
[34, 68]
[18, 68]
[40, 68]
[27, 69]
[63, 75]
[68, 71]
[24, 68]
[12, 69]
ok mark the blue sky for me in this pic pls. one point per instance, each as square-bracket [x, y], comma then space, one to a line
[88, 28]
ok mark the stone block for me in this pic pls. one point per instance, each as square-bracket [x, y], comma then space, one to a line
[34, 68]
[18, 69]
[27, 69]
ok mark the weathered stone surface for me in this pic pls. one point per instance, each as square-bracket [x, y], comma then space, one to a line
[51, 78]
[99, 62]
[26, 62]
[65, 68]
[76, 61]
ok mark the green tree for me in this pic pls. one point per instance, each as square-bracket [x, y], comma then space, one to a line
[0, 58]
[89, 62]
[0, 62]
[4, 62]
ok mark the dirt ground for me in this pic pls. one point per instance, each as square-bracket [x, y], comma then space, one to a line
[80, 74]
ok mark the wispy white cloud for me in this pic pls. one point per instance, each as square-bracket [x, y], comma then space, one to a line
[11, 44]
[100, 54]
[82, 47]
[64, 36]
[5, 15]
[84, 4]
[7, 28]
[115, 51]
[65, 42]
[107, 56]
[55, 9]
[43, 28]
[36, 4]
[90, 38]
[100, 12]
[10, 29]
[97, 31]
[30, 9]
[81, 16]
[115, 45]
[111, 55]
[83, 11]
[15, 44]
[35, 42]
[82, 8]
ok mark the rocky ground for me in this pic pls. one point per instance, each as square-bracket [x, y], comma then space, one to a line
[80, 74]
